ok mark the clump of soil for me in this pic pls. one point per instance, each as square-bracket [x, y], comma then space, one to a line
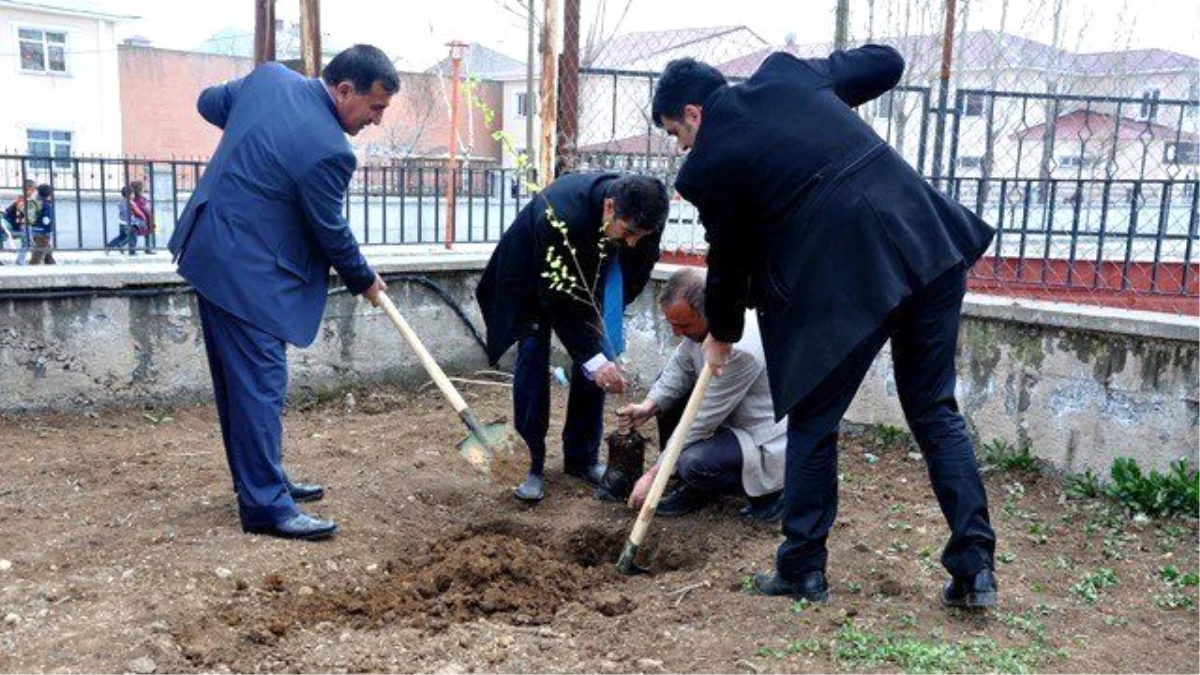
[626, 462]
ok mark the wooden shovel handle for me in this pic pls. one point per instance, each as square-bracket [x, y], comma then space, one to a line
[431, 366]
[666, 465]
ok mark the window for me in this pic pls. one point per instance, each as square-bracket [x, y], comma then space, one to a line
[46, 143]
[43, 51]
[1189, 109]
[970, 162]
[883, 105]
[1149, 109]
[973, 105]
[1075, 161]
[522, 104]
[1182, 153]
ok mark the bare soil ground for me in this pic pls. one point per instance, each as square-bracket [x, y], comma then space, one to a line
[123, 553]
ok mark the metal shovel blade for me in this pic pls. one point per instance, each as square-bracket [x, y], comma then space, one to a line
[626, 564]
[497, 455]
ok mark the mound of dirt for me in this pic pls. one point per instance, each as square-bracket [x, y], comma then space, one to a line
[460, 578]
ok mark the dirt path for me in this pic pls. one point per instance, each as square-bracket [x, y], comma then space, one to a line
[124, 554]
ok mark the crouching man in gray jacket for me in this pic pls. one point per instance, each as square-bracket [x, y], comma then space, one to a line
[735, 446]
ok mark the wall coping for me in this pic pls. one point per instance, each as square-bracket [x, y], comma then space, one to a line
[105, 273]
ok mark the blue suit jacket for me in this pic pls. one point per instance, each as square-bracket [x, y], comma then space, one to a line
[265, 222]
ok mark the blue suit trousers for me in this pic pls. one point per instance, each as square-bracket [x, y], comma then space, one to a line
[249, 374]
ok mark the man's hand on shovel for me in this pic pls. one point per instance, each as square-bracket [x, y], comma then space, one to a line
[378, 288]
[716, 353]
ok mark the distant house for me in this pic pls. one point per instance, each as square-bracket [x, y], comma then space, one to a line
[1004, 86]
[60, 83]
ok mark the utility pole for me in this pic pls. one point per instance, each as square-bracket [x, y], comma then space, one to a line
[530, 98]
[939, 139]
[310, 37]
[568, 87]
[841, 30]
[549, 102]
[264, 31]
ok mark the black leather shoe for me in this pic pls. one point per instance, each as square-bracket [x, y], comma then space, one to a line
[299, 526]
[978, 590]
[592, 473]
[810, 586]
[682, 501]
[764, 509]
[532, 489]
[306, 492]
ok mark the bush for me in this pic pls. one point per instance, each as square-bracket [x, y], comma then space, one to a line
[1154, 494]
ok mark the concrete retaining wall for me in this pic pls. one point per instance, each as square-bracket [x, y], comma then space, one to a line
[1081, 385]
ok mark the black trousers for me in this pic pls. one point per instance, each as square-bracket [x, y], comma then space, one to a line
[924, 335]
[584, 426]
[713, 465]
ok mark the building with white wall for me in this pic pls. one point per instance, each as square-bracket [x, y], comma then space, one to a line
[59, 75]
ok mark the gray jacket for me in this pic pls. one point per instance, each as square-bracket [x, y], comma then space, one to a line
[739, 400]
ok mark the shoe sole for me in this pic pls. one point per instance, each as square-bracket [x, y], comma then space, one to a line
[309, 498]
[311, 536]
[529, 499]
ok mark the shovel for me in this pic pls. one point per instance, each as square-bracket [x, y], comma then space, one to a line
[626, 564]
[487, 447]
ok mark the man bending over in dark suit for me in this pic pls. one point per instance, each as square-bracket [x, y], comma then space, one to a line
[622, 216]
[840, 245]
[257, 239]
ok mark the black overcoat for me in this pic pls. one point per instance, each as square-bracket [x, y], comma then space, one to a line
[514, 297]
[811, 217]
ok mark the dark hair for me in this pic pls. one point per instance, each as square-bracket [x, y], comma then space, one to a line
[684, 82]
[364, 65]
[45, 190]
[641, 201]
[30, 183]
[125, 191]
[137, 187]
[687, 284]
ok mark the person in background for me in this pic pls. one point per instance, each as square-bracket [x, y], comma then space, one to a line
[43, 228]
[125, 237]
[22, 211]
[141, 217]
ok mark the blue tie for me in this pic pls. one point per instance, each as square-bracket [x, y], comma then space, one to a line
[614, 308]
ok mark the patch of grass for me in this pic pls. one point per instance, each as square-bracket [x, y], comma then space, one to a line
[1174, 599]
[1175, 493]
[1174, 577]
[888, 437]
[1007, 558]
[747, 584]
[854, 587]
[799, 606]
[859, 650]
[1089, 587]
[1001, 453]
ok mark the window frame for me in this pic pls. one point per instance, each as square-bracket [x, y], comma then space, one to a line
[45, 31]
[51, 161]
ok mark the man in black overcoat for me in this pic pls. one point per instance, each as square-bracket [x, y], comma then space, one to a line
[607, 217]
[815, 221]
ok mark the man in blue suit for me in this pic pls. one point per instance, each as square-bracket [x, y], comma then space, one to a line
[256, 240]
